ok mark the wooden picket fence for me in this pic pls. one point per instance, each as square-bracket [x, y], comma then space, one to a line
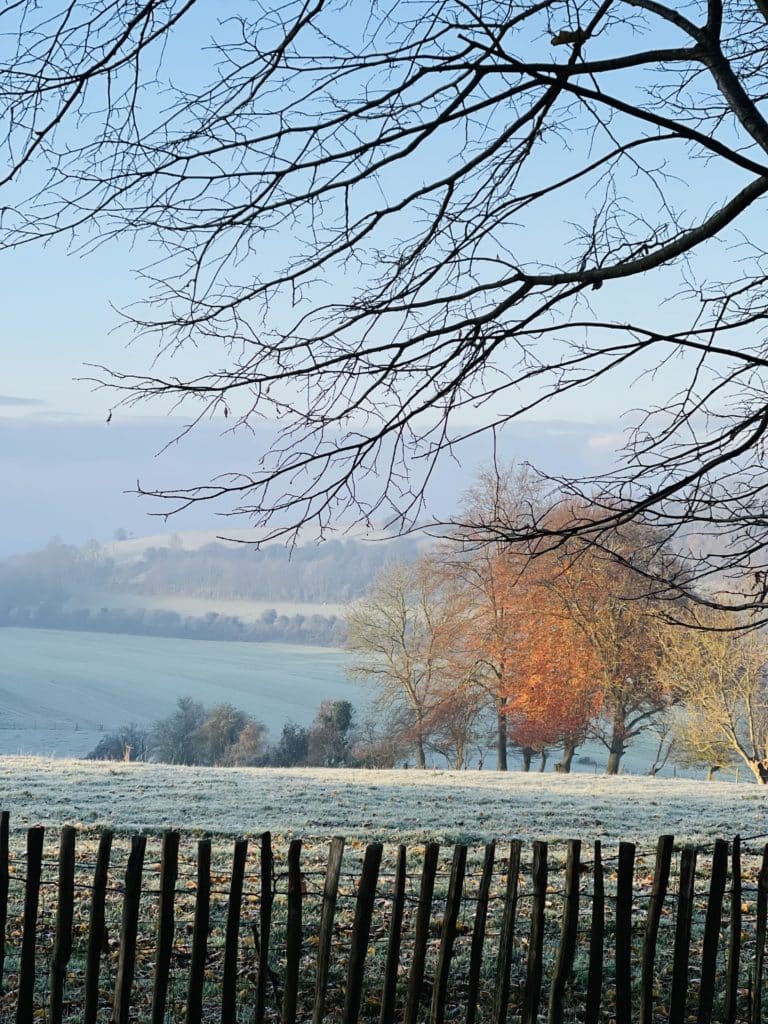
[479, 939]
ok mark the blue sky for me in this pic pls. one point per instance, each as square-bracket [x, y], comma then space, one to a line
[61, 313]
[65, 471]
[59, 306]
[74, 477]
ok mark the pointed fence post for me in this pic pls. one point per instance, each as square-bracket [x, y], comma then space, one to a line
[655, 906]
[4, 882]
[568, 934]
[677, 1000]
[712, 931]
[389, 988]
[232, 939]
[361, 931]
[266, 866]
[325, 935]
[478, 933]
[96, 928]
[293, 935]
[169, 869]
[421, 937]
[62, 943]
[596, 941]
[762, 921]
[507, 936]
[535, 968]
[734, 936]
[25, 1006]
[199, 934]
[129, 930]
[624, 933]
[448, 936]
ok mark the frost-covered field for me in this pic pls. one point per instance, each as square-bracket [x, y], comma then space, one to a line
[386, 805]
[59, 691]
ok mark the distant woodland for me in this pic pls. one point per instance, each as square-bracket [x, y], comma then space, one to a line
[66, 587]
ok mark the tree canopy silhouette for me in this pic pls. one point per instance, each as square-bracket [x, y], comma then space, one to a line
[389, 227]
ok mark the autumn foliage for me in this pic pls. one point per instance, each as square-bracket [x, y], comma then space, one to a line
[542, 647]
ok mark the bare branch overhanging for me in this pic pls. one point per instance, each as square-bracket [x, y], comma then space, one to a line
[382, 223]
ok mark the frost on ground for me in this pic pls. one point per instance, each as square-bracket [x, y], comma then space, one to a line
[60, 692]
[392, 806]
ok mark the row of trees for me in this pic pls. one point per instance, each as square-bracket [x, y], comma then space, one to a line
[337, 570]
[84, 588]
[322, 630]
[226, 736]
[556, 645]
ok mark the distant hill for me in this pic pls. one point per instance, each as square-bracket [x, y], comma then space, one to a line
[197, 586]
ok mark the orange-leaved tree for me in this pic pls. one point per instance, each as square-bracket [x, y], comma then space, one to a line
[605, 591]
[555, 691]
[486, 571]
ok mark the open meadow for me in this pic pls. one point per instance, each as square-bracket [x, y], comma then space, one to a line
[392, 806]
[433, 905]
[61, 691]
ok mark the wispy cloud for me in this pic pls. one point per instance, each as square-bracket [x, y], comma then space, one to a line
[17, 400]
[611, 442]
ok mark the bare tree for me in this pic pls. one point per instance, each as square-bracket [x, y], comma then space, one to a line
[373, 225]
[722, 676]
[404, 636]
[697, 745]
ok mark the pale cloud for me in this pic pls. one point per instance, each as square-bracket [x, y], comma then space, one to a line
[606, 442]
[18, 400]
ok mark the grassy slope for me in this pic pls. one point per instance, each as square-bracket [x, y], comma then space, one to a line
[58, 688]
[396, 805]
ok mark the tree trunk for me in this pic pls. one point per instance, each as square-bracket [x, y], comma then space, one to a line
[544, 758]
[760, 771]
[527, 758]
[616, 748]
[564, 765]
[501, 742]
[615, 755]
[711, 771]
[421, 760]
